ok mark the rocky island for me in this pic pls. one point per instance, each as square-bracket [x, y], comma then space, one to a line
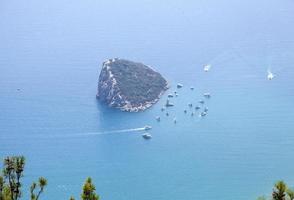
[129, 86]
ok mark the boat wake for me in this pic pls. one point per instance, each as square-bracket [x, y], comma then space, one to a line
[112, 132]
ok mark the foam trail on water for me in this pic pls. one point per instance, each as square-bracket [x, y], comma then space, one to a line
[85, 134]
[111, 132]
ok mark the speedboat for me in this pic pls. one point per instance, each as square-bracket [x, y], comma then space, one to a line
[179, 85]
[207, 95]
[270, 75]
[147, 127]
[146, 136]
[207, 68]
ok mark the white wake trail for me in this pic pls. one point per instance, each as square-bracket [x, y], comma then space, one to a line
[111, 132]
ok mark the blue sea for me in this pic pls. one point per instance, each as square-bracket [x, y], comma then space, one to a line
[50, 59]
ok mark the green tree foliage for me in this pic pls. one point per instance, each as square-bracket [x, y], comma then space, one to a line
[1, 187]
[89, 189]
[10, 180]
[279, 192]
[12, 173]
[42, 182]
[290, 193]
[261, 198]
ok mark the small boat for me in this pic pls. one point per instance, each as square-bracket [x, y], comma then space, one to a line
[203, 114]
[147, 127]
[170, 95]
[207, 95]
[201, 101]
[192, 114]
[206, 68]
[158, 118]
[175, 120]
[270, 75]
[191, 88]
[197, 107]
[185, 111]
[167, 114]
[168, 104]
[146, 136]
[162, 109]
[190, 104]
[177, 94]
[205, 109]
[179, 85]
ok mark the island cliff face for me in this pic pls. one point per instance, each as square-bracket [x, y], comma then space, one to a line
[129, 86]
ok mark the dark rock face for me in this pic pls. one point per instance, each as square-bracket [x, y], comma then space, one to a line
[129, 86]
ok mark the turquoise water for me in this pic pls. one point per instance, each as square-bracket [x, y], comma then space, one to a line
[52, 52]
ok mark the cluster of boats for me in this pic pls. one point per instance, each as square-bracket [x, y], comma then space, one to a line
[197, 108]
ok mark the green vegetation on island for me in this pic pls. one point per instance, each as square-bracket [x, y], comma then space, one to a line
[129, 86]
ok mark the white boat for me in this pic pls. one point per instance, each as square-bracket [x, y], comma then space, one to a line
[158, 118]
[147, 127]
[270, 75]
[207, 95]
[179, 85]
[146, 136]
[206, 68]
[203, 114]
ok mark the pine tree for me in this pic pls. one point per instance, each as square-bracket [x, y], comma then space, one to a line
[279, 192]
[89, 189]
[41, 184]
[13, 171]
[290, 193]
